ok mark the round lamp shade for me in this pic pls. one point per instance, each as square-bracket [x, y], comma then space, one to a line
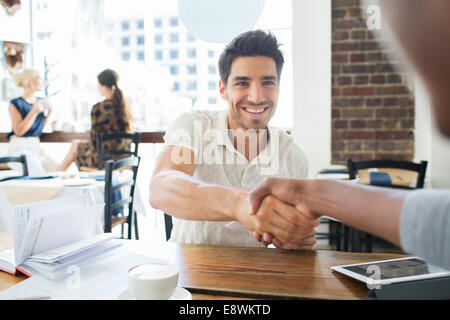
[218, 20]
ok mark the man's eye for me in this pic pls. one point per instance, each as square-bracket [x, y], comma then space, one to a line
[269, 83]
[240, 83]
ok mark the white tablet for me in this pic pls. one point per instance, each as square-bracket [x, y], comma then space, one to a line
[391, 271]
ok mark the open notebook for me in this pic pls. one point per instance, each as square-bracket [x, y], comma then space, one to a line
[52, 235]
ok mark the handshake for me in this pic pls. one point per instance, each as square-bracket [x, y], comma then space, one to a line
[278, 215]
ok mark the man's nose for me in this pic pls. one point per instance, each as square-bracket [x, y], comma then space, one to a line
[256, 94]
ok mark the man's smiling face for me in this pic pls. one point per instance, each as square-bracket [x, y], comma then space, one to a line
[251, 91]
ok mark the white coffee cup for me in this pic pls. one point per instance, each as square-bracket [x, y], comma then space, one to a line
[153, 281]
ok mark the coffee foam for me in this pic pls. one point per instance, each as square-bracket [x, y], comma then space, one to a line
[153, 271]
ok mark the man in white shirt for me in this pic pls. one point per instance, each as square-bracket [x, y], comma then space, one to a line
[212, 159]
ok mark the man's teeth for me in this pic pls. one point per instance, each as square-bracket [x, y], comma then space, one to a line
[254, 110]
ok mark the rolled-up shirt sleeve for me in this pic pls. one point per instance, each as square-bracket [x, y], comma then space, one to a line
[425, 226]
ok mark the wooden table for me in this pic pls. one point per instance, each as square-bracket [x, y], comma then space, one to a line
[217, 272]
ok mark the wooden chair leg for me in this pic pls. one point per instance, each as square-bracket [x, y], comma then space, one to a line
[136, 233]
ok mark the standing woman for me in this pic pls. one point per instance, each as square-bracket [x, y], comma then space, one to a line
[29, 115]
[112, 115]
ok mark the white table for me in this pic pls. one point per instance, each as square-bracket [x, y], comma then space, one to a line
[17, 192]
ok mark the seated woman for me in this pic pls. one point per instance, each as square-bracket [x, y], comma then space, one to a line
[111, 115]
[29, 114]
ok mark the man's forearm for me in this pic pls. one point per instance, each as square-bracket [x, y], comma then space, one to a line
[370, 209]
[184, 197]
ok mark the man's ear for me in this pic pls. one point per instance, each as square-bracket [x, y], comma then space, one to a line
[223, 92]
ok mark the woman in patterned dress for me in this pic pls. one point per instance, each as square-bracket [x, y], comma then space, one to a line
[112, 115]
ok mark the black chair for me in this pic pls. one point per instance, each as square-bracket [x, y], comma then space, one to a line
[21, 159]
[359, 238]
[335, 235]
[130, 217]
[103, 154]
[168, 224]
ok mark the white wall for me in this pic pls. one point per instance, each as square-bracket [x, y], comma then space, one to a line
[312, 80]
[429, 143]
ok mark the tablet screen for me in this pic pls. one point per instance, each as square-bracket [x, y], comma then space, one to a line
[396, 268]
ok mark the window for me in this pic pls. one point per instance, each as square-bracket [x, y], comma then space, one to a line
[157, 22]
[125, 56]
[176, 86]
[125, 25]
[44, 35]
[125, 41]
[212, 85]
[212, 69]
[210, 53]
[140, 24]
[191, 86]
[174, 54]
[141, 55]
[140, 40]
[191, 53]
[212, 100]
[192, 69]
[190, 38]
[174, 37]
[174, 70]
[173, 21]
[158, 39]
[158, 55]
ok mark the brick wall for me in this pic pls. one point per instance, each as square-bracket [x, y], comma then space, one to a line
[372, 107]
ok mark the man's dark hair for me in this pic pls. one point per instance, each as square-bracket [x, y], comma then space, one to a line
[250, 44]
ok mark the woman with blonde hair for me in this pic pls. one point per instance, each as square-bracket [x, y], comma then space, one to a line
[29, 115]
[112, 115]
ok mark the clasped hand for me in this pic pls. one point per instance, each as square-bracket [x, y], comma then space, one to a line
[280, 223]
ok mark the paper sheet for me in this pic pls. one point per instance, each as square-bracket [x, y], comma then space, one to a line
[102, 278]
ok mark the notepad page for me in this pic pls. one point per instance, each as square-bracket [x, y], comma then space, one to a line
[23, 213]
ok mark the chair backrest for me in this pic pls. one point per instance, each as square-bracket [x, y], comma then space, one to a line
[168, 225]
[21, 159]
[103, 154]
[421, 168]
[110, 167]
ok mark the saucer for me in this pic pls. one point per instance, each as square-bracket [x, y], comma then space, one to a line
[179, 294]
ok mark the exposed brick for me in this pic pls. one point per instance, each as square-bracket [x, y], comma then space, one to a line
[359, 35]
[337, 146]
[343, 24]
[335, 114]
[394, 78]
[337, 14]
[392, 135]
[357, 57]
[407, 124]
[357, 102]
[340, 124]
[358, 124]
[374, 56]
[373, 102]
[357, 134]
[374, 124]
[356, 91]
[340, 58]
[342, 81]
[340, 35]
[354, 146]
[378, 79]
[392, 90]
[357, 113]
[391, 101]
[341, 102]
[344, 3]
[391, 113]
[361, 80]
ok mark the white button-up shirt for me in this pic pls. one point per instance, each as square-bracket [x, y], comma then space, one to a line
[218, 162]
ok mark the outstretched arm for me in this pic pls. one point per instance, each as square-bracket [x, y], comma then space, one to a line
[370, 209]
